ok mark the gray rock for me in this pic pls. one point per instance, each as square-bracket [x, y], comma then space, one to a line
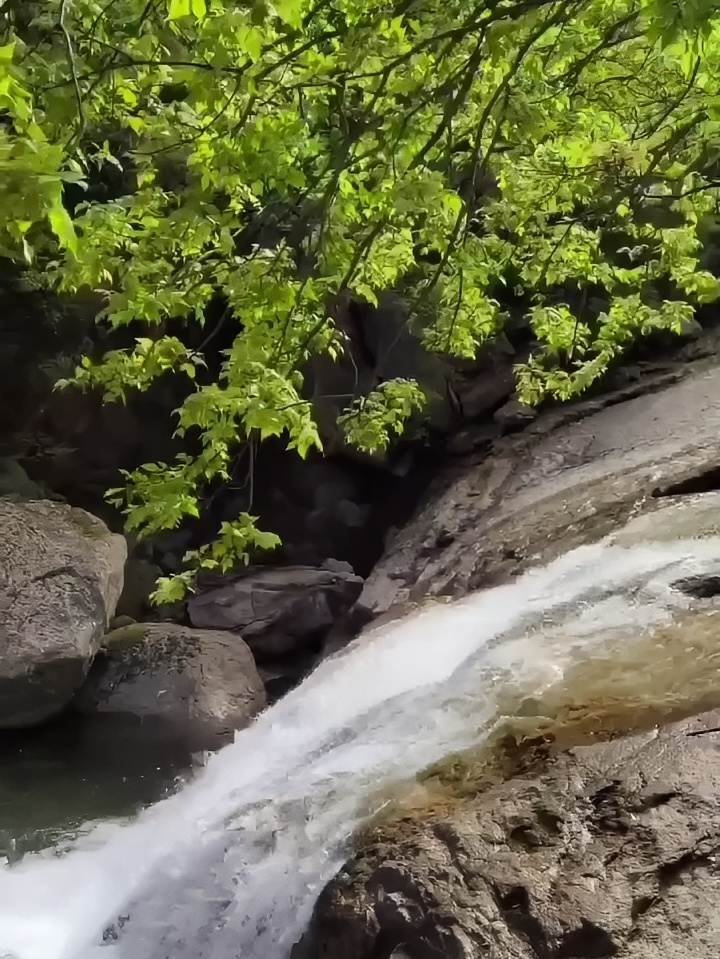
[611, 852]
[514, 415]
[338, 566]
[61, 573]
[191, 685]
[276, 608]
[141, 577]
[483, 392]
[557, 485]
[15, 482]
[352, 514]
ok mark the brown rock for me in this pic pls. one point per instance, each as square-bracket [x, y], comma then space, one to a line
[611, 852]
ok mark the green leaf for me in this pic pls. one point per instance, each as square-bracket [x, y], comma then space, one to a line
[62, 227]
[251, 41]
[171, 589]
[290, 12]
[178, 9]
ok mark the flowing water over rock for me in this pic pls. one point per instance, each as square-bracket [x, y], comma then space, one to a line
[232, 865]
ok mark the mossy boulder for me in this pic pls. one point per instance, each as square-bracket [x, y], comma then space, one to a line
[194, 685]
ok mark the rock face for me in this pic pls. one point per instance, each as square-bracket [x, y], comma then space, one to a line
[195, 686]
[277, 610]
[611, 852]
[61, 573]
[570, 478]
[140, 579]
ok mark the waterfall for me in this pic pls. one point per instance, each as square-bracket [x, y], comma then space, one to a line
[232, 864]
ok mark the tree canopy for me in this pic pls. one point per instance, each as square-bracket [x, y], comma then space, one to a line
[276, 155]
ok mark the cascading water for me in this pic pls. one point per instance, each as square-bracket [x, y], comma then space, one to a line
[232, 865]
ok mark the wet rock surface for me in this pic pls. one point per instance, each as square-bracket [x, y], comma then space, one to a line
[569, 478]
[610, 851]
[61, 573]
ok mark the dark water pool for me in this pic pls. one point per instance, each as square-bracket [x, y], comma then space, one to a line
[56, 779]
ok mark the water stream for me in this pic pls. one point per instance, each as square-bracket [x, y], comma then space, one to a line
[232, 864]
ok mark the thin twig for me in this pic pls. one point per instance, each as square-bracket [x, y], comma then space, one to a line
[704, 732]
[71, 64]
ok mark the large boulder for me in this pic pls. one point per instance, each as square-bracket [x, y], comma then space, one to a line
[61, 573]
[278, 610]
[187, 685]
[611, 852]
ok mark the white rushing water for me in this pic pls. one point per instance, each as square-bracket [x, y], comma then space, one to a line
[232, 865]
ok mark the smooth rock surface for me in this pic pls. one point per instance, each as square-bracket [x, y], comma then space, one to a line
[61, 573]
[187, 685]
[276, 608]
[557, 485]
[612, 851]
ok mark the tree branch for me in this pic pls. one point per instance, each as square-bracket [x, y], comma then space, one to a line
[71, 64]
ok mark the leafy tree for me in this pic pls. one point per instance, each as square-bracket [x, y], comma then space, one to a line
[278, 154]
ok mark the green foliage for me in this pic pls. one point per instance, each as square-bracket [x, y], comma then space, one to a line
[31, 174]
[237, 539]
[373, 421]
[121, 372]
[281, 155]
[673, 17]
